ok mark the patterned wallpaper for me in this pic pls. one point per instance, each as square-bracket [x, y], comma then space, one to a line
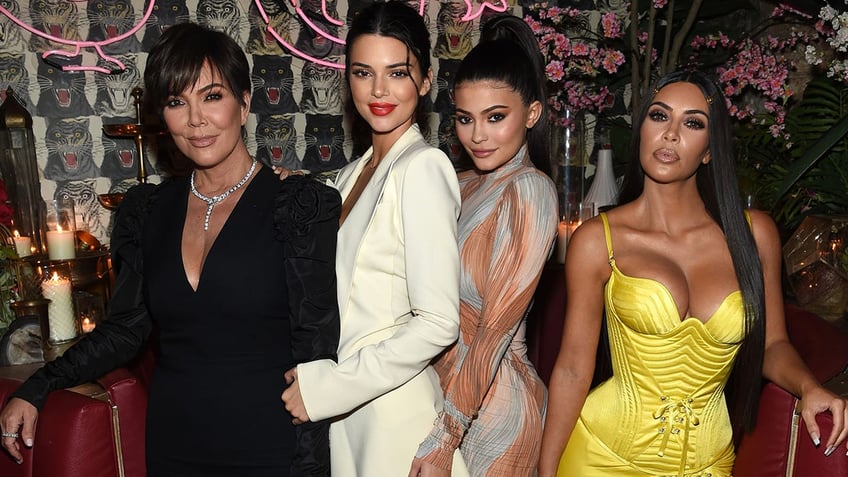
[296, 114]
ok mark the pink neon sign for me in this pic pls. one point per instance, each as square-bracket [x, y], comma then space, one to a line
[80, 44]
[471, 12]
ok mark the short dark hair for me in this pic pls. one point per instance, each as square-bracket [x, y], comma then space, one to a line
[397, 20]
[176, 60]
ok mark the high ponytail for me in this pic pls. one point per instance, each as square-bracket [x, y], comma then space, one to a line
[508, 40]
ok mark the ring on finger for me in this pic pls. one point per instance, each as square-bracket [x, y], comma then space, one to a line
[12, 435]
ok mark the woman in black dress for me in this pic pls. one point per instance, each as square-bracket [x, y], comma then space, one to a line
[233, 267]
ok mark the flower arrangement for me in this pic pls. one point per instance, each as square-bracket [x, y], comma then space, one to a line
[601, 59]
[832, 25]
[791, 148]
[583, 59]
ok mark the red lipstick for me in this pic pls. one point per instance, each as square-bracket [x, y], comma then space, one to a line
[381, 109]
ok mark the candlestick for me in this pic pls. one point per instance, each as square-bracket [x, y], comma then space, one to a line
[23, 245]
[61, 244]
[60, 311]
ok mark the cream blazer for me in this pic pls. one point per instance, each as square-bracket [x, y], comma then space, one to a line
[397, 267]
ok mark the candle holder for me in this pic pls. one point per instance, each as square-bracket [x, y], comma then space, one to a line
[62, 325]
[91, 310]
[575, 214]
[61, 229]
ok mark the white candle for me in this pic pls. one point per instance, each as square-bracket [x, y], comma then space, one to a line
[562, 241]
[61, 244]
[87, 325]
[23, 245]
[564, 232]
[60, 311]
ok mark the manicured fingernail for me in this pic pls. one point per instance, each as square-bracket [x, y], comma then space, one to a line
[816, 439]
[829, 451]
[28, 442]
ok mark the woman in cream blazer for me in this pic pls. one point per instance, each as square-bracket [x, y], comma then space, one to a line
[398, 287]
[397, 263]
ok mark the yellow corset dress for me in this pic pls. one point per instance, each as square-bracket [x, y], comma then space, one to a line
[663, 412]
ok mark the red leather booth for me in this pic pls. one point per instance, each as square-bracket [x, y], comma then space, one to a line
[94, 430]
[79, 435]
[772, 449]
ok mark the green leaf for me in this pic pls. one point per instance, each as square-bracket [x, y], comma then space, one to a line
[813, 154]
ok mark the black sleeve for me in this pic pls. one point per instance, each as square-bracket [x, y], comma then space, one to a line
[307, 219]
[119, 337]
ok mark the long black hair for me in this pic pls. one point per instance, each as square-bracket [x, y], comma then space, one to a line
[719, 189]
[506, 44]
[397, 20]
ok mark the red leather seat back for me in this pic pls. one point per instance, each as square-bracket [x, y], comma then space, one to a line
[74, 438]
[545, 320]
[128, 394]
[768, 451]
[764, 452]
[810, 460]
[822, 346]
[8, 467]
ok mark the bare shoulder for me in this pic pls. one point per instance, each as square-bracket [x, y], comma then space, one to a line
[587, 247]
[765, 230]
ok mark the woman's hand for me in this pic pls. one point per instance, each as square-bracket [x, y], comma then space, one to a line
[285, 173]
[17, 423]
[293, 400]
[817, 400]
[420, 468]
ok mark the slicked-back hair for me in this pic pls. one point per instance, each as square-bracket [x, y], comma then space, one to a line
[397, 20]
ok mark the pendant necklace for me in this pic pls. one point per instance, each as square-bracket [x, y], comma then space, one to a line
[211, 202]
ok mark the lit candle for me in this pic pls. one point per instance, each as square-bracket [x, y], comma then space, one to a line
[61, 244]
[87, 325]
[23, 245]
[564, 232]
[60, 311]
[562, 240]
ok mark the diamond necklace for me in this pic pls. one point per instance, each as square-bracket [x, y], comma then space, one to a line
[211, 202]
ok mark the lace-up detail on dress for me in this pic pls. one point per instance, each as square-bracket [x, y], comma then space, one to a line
[663, 412]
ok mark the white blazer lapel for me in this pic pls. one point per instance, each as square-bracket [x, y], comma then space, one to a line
[356, 225]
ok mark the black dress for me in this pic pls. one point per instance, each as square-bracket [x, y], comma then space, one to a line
[265, 300]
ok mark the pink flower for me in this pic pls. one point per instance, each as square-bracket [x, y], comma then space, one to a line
[611, 26]
[554, 71]
[580, 49]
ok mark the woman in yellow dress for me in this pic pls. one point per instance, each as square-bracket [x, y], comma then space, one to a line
[691, 287]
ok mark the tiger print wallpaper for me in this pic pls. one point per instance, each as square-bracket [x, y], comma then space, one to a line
[296, 116]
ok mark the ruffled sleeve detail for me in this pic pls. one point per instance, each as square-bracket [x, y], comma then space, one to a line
[302, 205]
[306, 215]
[129, 223]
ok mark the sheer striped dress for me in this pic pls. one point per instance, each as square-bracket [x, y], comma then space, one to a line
[494, 400]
